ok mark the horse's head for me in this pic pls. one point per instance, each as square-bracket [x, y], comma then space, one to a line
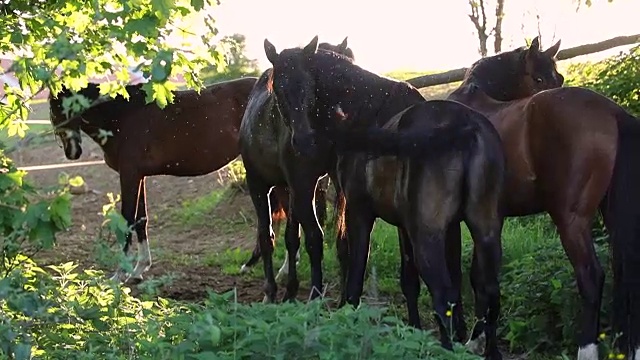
[294, 88]
[539, 70]
[67, 120]
[342, 48]
[518, 73]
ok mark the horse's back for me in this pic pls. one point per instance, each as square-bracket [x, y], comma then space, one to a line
[394, 183]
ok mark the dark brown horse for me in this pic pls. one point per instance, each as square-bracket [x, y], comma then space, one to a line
[283, 192]
[446, 166]
[270, 160]
[196, 135]
[570, 152]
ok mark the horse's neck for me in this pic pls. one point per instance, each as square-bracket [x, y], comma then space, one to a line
[474, 97]
[92, 121]
[378, 100]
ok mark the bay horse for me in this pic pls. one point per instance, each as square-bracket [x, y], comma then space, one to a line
[570, 152]
[195, 135]
[270, 160]
[421, 166]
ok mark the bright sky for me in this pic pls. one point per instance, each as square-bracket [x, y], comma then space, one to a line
[418, 34]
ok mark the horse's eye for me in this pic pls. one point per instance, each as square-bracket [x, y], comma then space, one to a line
[539, 80]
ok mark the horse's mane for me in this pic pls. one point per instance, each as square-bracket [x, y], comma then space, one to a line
[498, 74]
[269, 72]
[137, 97]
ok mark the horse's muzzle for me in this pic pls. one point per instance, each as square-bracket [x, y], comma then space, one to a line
[304, 144]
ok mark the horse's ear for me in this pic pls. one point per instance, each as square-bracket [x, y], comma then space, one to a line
[553, 51]
[311, 47]
[343, 45]
[270, 51]
[535, 45]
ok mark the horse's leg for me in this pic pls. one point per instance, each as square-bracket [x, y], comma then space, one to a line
[429, 256]
[144, 251]
[409, 278]
[129, 187]
[486, 229]
[342, 241]
[259, 192]
[453, 248]
[321, 200]
[283, 210]
[302, 193]
[292, 241]
[359, 220]
[575, 234]
[277, 215]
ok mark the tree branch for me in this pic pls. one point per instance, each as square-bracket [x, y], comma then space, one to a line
[458, 74]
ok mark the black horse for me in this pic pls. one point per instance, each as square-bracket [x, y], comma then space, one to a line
[447, 166]
[270, 160]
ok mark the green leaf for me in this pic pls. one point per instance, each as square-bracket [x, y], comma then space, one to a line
[197, 4]
[161, 66]
[160, 92]
[76, 181]
[162, 8]
[22, 352]
[146, 26]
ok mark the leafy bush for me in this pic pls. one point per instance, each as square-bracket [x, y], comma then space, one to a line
[29, 218]
[617, 78]
[76, 315]
[541, 301]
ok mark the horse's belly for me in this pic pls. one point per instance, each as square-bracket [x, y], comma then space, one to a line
[520, 193]
[383, 187]
[261, 152]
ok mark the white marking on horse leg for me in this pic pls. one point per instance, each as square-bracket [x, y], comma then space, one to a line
[477, 345]
[637, 354]
[144, 259]
[120, 275]
[244, 268]
[588, 352]
[284, 269]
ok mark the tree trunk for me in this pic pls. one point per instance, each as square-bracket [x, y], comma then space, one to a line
[478, 17]
[497, 30]
[458, 74]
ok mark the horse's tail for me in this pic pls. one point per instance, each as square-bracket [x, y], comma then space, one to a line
[420, 143]
[623, 212]
[338, 213]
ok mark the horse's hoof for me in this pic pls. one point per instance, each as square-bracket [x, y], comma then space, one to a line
[494, 355]
[289, 297]
[117, 277]
[476, 346]
[134, 280]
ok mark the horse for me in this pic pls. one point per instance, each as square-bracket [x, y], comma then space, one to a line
[283, 193]
[570, 154]
[421, 166]
[270, 160]
[195, 135]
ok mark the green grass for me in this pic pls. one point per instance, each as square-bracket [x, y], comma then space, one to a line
[524, 240]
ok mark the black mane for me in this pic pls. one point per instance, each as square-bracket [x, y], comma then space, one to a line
[383, 98]
[498, 75]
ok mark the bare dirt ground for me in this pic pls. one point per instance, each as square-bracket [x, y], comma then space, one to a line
[176, 248]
